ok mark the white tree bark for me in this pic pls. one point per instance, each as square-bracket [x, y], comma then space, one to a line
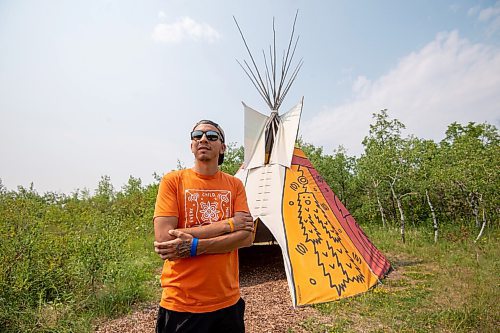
[475, 211]
[434, 220]
[473, 199]
[482, 227]
[400, 212]
[380, 208]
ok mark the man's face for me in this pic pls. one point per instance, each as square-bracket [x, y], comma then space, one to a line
[204, 149]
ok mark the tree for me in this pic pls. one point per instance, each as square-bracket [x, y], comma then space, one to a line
[104, 194]
[387, 159]
[337, 169]
[472, 158]
[428, 176]
[233, 158]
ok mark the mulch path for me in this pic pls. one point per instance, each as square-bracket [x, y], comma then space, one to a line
[263, 287]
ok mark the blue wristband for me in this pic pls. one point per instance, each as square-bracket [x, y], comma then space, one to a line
[194, 247]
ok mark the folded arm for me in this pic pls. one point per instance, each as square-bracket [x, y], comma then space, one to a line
[225, 243]
[163, 224]
[171, 243]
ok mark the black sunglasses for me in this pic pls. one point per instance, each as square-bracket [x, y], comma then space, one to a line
[211, 135]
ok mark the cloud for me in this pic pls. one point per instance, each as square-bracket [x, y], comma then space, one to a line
[473, 11]
[182, 29]
[490, 13]
[161, 14]
[450, 79]
[489, 16]
[360, 85]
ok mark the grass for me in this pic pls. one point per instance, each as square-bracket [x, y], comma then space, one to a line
[451, 286]
[58, 276]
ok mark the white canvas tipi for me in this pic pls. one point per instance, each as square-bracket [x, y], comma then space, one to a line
[326, 254]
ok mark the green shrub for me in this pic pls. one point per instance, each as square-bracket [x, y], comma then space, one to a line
[65, 260]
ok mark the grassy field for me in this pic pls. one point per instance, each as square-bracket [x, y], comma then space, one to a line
[451, 286]
[57, 276]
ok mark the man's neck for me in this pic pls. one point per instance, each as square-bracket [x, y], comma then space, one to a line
[206, 169]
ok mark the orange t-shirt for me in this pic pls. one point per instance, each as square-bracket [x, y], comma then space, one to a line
[207, 282]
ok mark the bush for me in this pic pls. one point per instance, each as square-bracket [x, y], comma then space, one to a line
[67, 259]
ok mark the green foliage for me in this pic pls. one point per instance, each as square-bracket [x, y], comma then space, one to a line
[397, 179]
[337, 170]
[233, 158]
[469, 167]
[67, 259]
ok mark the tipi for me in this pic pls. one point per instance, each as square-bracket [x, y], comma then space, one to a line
[326, 254]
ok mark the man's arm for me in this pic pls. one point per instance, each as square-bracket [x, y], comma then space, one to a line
[162, 226]
[167, 245]
[225, 243]
[180, 247]
[240, 221]
[170, 245]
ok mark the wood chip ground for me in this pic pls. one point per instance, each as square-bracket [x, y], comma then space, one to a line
[263, 287]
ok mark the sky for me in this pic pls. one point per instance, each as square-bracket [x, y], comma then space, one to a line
[107, 87]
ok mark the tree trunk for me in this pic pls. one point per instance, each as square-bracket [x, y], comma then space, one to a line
[398, 202]
[380, 208]
[473, 201]
[434, 220]
[482, 227]
[393, 211]
[475, 211]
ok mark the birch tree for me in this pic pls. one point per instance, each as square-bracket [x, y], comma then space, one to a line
[473, 160]
[381, 162]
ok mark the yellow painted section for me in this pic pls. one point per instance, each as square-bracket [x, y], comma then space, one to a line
[326, 265]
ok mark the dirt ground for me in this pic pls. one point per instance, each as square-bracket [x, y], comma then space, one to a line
[263, 287]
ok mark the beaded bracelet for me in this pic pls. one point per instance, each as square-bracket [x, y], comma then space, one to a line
[231, 224]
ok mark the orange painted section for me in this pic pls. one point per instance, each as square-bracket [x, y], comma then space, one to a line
[326, 264]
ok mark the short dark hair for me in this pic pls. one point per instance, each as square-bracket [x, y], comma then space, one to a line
[221, 132]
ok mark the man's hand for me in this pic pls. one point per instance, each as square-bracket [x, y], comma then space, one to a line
[177, 248]
[243, 221]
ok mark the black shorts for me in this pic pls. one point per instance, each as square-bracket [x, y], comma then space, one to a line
[227, 320]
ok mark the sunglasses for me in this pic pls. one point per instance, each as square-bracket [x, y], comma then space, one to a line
[211, 135]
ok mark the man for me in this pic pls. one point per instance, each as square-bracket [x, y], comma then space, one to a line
[201, 218]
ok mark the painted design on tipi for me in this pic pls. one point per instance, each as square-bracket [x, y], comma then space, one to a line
[338, 265]
[320, 251]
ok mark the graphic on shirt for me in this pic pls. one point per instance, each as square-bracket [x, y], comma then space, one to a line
[206, 206]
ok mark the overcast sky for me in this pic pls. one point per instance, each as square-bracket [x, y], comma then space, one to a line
[93, 88]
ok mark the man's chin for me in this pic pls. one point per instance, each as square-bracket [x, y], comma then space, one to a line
[204, 158]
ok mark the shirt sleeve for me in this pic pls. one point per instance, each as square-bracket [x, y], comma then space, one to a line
[166, 200]
[240, 202]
